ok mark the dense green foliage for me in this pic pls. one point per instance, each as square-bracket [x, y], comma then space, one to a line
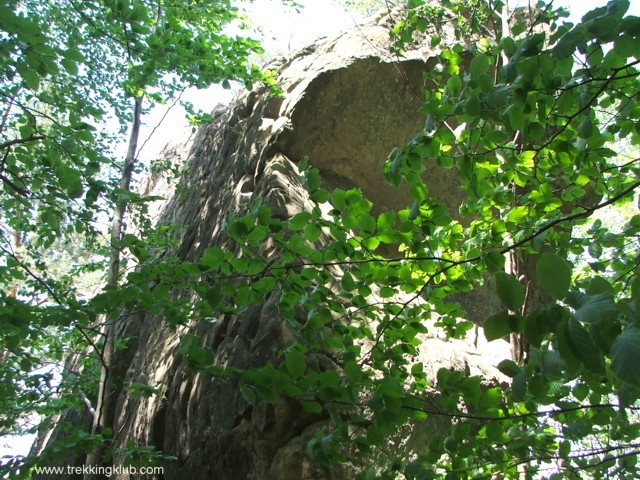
[541, 124]
[539, 118]
[74, 77]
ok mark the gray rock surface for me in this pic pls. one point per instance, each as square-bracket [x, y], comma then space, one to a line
[347, 104]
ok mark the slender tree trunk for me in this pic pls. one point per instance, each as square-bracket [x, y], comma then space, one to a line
[512, 264]
[5, 116]
[104, 412]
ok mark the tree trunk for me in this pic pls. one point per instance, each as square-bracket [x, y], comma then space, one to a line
[105, 406]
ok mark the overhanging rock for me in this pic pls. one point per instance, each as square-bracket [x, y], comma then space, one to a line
[347, 104]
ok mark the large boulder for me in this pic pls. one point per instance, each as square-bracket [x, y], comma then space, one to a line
[347, 103]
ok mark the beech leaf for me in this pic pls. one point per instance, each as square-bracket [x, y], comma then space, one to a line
[509, 291]
[625, 356]
[554, 275]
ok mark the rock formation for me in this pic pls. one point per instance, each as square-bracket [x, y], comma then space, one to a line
[347, 103]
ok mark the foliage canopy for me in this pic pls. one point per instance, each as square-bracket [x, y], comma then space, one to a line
[75, 76]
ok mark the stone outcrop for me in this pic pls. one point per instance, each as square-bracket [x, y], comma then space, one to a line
[347, 103]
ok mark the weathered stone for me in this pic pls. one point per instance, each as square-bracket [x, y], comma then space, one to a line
[347, 104]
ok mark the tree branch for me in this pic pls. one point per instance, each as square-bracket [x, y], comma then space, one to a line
[19, 141]
[23, 192]
[587, 211]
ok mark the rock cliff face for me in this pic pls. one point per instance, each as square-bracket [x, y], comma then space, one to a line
[347, 104]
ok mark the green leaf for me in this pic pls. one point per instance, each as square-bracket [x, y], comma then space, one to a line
[212, 258]
[295, 363]
[495, 261]
[479, 66]
[517, 214]
[387, 292]
[73, 54]
[75, 189]
[320, 196]
[612, 60]
[604, 27]
[509, 291]
[595, 308]
[26, 131]
[553, 363]
[532, 44]
[626, 46]
[328, 379]
[554, 275]
[568, 43]
[472, 107]
[625, 356]
[248, 393]
[348, 284]
[583, 346]
[265, 285]
[586, 129]
[312, 232]
[267, 394]
[418, 192]
[519, 386]
[496, 137]
[31, 79]
[497, 326]
[320, 318]
[494, 431]
[300, 220]
[454, 84]
[595, 250]
[371, 243]
[509, 368]
[537, 326]
[353, 371]
[386, 221]
[535, 131]
[635, 296]
[311, 407]
[491, 398]
[313, 180]
[367, 223]
[599, 285]
[70, 66]
[516, 117]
